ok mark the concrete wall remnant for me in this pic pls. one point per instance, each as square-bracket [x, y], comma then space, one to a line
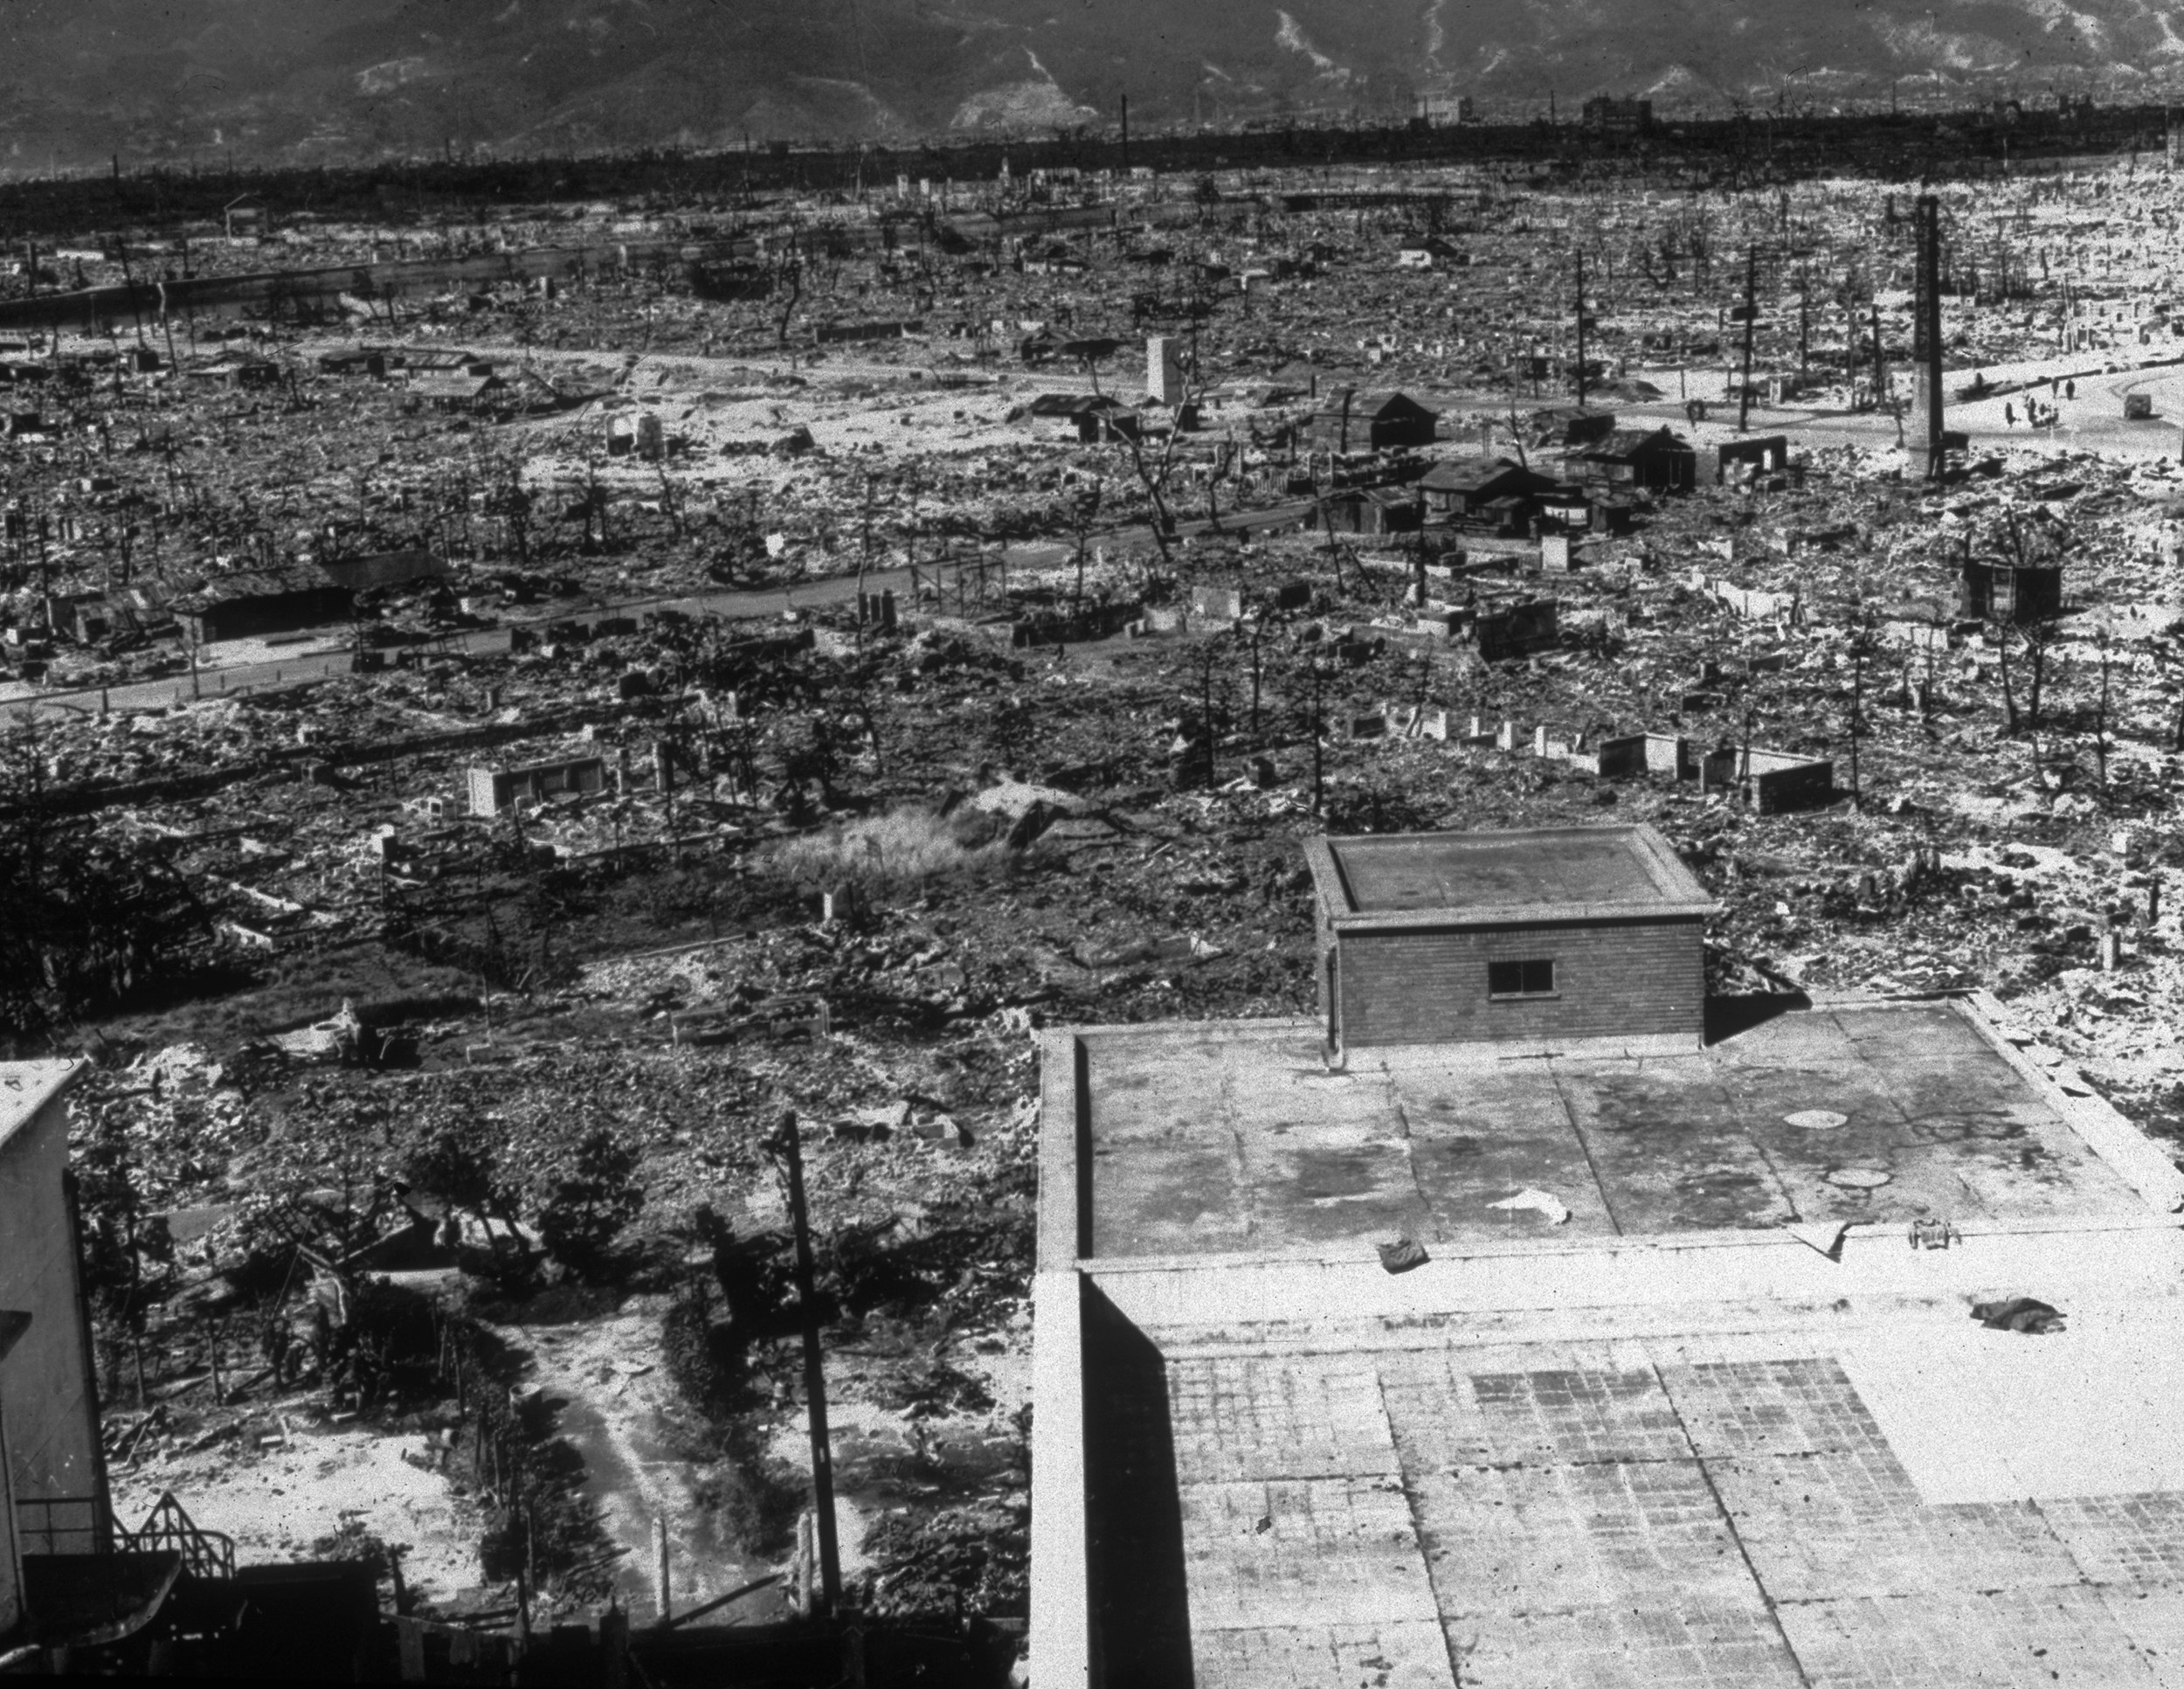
[2006, 593]
[492, 790]
[1772, 781]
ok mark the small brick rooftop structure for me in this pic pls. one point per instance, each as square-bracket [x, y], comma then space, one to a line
[1685, 1389]
[1517, 937]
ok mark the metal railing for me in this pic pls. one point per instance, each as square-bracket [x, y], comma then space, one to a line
[204, 1554]
[77, 1525]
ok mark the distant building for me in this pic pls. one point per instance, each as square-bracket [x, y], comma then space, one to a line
[1372, 510]
[456, 390]
[1439, 110]
[1427, 252]
[1163, 369]
[493, 790]
[1607, 115]
[1354, 420]
[251, 602]
[1651, 460]
[419, 360]
[1757, 455]
[377, 569]
[1567, 427]
[237, 369]
[357, 360]
[1463, 486]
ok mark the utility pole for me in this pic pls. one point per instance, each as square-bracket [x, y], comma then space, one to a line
[1580, 328]
[1750, 312]
[1880, 366]
[785, 1143]
[1206, 704]
[1319, 742]
[1804, 319]
[1927, 338]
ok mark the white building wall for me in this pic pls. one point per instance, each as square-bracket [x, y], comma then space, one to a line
[48, 1407]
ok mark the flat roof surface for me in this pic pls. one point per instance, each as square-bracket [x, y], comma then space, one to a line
[1663, 1442]
[25, 1087]
[1830, 1501]
[1567, 866]
[1235, 1139]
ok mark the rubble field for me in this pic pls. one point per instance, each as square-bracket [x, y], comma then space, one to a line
[783, 683]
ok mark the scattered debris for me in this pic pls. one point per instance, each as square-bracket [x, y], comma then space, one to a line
[1551, 1209]
[2021, 1314]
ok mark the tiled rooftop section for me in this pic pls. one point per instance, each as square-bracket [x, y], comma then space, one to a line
[1681, 1513]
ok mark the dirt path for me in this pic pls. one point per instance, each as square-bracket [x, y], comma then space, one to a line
[603, 1371]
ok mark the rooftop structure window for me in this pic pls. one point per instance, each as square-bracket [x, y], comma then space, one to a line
[1535, 978]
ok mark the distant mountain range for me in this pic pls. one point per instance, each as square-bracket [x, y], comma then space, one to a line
[340, 80]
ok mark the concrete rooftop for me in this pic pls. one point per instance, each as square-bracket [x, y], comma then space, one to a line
[1236, 1139]
[1628, 869]
[1667, 1442]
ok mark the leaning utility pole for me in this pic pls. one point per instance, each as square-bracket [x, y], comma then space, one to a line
[785, 1143]
[1750, 312]
[1929, 451]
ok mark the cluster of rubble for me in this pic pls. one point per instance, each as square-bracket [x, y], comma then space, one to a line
[657, 692]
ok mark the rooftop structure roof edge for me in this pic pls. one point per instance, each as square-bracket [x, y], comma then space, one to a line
[1522, 915]
[1680, 893]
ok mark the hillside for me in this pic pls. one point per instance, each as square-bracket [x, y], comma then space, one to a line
[301, 81]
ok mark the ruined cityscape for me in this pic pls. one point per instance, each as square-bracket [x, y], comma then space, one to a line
[1370, 906]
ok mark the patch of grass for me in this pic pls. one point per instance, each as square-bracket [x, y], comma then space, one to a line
[903, 848]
